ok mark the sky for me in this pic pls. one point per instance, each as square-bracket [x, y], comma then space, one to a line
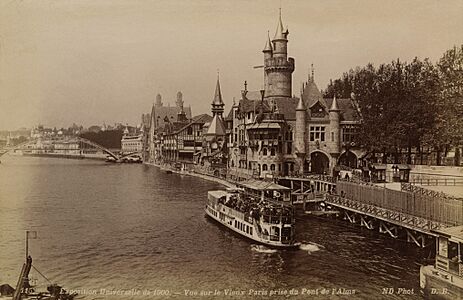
[104, 61]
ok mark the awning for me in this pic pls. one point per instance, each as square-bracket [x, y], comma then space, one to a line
[378, 166]
[264, 125]
[260, 185]
[403, 167]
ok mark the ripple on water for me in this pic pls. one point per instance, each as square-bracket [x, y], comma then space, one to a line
[310, 247]
[262, 249]
[133, 226]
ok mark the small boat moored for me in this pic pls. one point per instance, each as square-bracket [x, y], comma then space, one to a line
[444, 279]
[258, 210]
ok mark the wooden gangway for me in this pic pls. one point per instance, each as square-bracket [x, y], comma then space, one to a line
[412, 212]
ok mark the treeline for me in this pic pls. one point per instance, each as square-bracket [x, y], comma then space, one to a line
[408, 106]
[110, 139]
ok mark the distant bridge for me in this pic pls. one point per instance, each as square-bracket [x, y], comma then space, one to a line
[82, 141]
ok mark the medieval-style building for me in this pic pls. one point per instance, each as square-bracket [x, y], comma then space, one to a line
[272, 133]
[160, 116]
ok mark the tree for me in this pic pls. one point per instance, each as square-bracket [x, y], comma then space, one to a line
[449, 127]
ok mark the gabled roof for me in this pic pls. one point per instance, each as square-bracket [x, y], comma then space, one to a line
[171, 112]
[311, 94]
[203, 118]
[229, 117]
[287, 107]
[173, 127]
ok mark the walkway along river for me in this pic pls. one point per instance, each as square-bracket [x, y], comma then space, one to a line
[109, 229]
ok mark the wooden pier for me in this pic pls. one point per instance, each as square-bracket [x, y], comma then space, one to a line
[412, 213]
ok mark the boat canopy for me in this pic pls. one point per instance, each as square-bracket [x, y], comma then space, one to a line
[218, 194]
[451, 232]
[260, 185]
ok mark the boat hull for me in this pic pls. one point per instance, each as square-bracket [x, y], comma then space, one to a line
[249, 234]
[437, 284]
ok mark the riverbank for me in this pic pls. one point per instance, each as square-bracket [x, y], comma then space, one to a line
[196, 174]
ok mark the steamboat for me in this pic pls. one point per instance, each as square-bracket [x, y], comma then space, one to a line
[258, 210]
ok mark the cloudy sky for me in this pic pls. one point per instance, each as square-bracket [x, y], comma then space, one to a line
[99, 61]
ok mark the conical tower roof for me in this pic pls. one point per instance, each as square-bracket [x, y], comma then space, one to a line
[300, 104]
[334, 105]
[268, 44]
[280, 32]
[218, 94]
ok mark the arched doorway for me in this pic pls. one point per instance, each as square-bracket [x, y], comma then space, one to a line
[348, 159]
[320, 163]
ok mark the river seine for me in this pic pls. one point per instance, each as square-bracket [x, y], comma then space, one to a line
[121, 231]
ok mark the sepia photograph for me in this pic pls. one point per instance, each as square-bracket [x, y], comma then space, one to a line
[231, 149]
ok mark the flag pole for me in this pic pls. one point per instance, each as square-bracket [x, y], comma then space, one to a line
[27, 243]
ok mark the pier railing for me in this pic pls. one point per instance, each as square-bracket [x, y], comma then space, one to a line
[438, 181]
[435, 207]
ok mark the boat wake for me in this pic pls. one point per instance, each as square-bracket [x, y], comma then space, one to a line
[310, 247]
[262, 249]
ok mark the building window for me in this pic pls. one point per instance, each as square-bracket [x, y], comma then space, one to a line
[272, 167]
[190, 131]
[349, 133]
[289, 148]
[272, 151]
[264, 151]
[317, 133]
[332, 136]
[289, 134]
[264, 167]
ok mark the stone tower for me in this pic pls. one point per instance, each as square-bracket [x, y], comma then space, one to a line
[334, 138]
[300, 135]
[278, 67]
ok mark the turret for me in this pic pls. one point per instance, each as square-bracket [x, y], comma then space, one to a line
[268, 53]
[335, 127]
[300, 134]
[280, 40]
[268, 50]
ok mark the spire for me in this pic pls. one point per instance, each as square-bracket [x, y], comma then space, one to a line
[268, 44]
[313, 77]
[334, 105]
[280, 33]
[218, 94]
[300, 105]
[217, 103]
